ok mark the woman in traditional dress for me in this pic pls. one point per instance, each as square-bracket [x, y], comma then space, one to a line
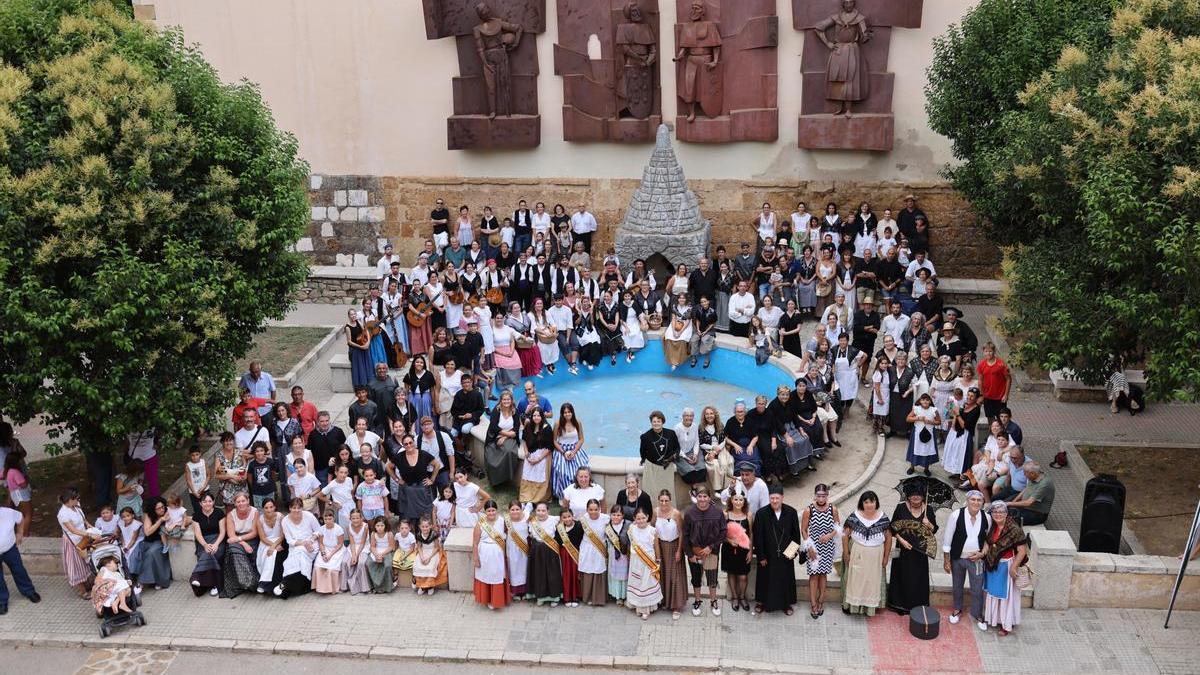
[677, 333]
[586, 327]
[74, 526]
[690, 466]
[901, 400]
[569, 536]
[866, 547]
[881, 394]
[506, 359]
[826, 280]
[156, 561]
[736, 551]
[790, 327]
[717, 460]
[922, 442]
[240, 566]
[913, 526]
[422, 387]
[468, 500]
[631, 327]
[544, 580]
[593, 556]
[616, 535]
[526, 344]
[668, 523]
[501, 443]
[379, 557]
[959, 451]
[942, 388]
[546, 334]
[272, 548]
[821, 528]
[518, 551]
[300, 531]
[488, 554]
[429, 563]
[659, 448]
[846, 363]
[327, 572]
[569, 452]
[537, 447]
[359, 345]
[644, 591]
[1008, 549]
[355, 577]
[608, 314]
[417, 470]
[806, 282]
[725, 285]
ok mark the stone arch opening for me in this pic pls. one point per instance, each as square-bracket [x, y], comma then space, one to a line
[662, 268]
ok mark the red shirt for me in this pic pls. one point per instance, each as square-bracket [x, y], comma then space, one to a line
[993, 379]
[307, 414]
[251, 405]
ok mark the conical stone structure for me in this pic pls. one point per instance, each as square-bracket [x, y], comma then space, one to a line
[663, 215]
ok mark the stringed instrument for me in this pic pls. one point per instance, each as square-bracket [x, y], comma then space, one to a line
[373, 328]
[418, 313]
[397, 348]
[494, 295]
[457, 297]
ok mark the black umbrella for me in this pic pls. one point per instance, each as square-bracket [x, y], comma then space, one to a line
[938, 493]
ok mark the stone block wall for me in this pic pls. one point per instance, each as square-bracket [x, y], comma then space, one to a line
[354, 215]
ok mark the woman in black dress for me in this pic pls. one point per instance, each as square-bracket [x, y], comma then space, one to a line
[805, 409]
[633, 498]
[789, 330]
[902, 378]
[912, 524]
[735, 559]
[208, 527]
[608, 324]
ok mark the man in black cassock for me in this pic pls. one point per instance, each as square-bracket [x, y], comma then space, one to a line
[776, 525]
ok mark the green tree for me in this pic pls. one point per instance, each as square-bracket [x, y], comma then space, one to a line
[979, 68]
[146, 216]
[1105, 149]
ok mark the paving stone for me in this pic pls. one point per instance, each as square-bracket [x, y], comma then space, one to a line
[520, 658]
[300, 648]
[448, 655]
[254, 647]
[387, 652]
[192, 644]
[560, 660]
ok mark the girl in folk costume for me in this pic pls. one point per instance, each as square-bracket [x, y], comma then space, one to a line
[922, 442]
[593, 556]
[537, 448]
[490, 542]
[668, 525]
[443, 510]
[379, 557]
[518, 551]
[355, 578]
[645, 590]
[429, 563]
[332, 552]
[544, 579]
[405, 556]
[569, 535]
[616, 533]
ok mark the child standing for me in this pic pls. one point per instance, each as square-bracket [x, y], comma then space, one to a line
[304, 486]
[443, 510]
[18, 487]
[569, 535]
[645, 590]
[429, 565]
[171, 533]
[196, 472]
[339, 496]
[372, 495]
[406, 545]
[354, 570]
[518, 551]
[326, 576]
[261, 472]
[131, 542]
[379, 562]
[617, 534]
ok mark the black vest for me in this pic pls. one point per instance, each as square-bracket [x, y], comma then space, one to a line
[960, 533]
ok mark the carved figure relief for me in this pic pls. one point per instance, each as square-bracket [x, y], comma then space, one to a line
[495, 93]
[842, 33]
[726, 70]
[615, 97]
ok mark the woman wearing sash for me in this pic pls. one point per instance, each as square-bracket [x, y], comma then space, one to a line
[544, 579]
[491, 583]
[616, 535]
[300, 531]
[645, 591]
[593, 556]
[668, 524]
[518, 552]
[569, 535]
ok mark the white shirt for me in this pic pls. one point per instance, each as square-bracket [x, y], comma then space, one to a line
[303, 487]
[384, 267]
[649, 279]
[911, 271]
[766, 226]
[243, 437]
[9, 520]
[368, 436]
[800, 223]
[887, 222]
[971, 543]
[419, 276]
[896, 326]
[560, 317]
[741, 307]
[757, 495]
[578, 498]
[541, 223]
[583, 222]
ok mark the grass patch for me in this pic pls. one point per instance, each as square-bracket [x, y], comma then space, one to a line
[1160, 491]
[280, 348]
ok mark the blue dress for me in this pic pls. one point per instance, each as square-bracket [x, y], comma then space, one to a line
[360, 360]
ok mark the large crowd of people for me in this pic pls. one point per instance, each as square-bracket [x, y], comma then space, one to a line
[293, 504]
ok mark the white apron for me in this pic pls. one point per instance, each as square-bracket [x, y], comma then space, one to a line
[846, 375]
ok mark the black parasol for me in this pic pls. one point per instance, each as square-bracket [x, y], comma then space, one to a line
[938, 493]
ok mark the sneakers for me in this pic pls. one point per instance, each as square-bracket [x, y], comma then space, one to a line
[573, 370]
[982, 626]
[953, 618]
[213, 592]
[696, 608]
[629, 358]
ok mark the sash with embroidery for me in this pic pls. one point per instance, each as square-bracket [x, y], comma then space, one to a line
[537, 531]
[646, 558]
[595, 539]
[613, 537]
[496, 536]
[516, 538]
[566, 542]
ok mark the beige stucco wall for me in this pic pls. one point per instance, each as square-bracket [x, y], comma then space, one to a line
[367, 94]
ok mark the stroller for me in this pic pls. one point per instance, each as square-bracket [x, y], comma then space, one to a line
[111, 617]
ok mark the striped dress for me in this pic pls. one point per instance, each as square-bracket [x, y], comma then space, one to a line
[564, 469]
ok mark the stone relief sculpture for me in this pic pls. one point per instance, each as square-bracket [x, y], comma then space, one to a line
[846, 101]
[726, 70]
[615, 97]
[495, 94]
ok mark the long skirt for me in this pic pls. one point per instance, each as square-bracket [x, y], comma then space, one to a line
[570, 576]
[420, 338]
[591, 353]
[1002, 611]
[611, 342]
[549, 352]
[799, 453]
[806, 295]
[816, 435]
[677, 351]
[563, 473]
[270, 566]
[414, 501]
[618, 576]
[957, 453]
[722, 312]
[909, 583]
[380, 574]
[644, 590]
[327, 575]
[657, 478]
[921, 453]
[531, 361]
[240, 570]
[422, 404]
[544, 581]
[73, 564]
[501, 461]
[492, 595]
[133, 558]
[862, 584]
[593, 588]
[155, 565]
[898, 414]
[355, 578]
[533, 492]
[377, 351]
[674, 576]
[433, 575]
[207, 573]
[361, 371]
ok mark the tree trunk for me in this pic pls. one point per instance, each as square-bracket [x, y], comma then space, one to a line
[100, 470]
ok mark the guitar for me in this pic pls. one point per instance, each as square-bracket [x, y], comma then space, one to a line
[494, 296]
[397, 348]
[418, 313]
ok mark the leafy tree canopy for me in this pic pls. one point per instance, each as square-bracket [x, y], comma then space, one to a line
[146, 214]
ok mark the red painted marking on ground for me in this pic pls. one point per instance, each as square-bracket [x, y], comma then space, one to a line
[895, 650]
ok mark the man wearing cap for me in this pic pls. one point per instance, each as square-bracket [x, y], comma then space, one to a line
[866, 330]
[753, 488]
[963, 546]
[776, 527]
[907, 218]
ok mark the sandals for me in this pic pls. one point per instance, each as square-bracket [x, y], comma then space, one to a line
[789, 611]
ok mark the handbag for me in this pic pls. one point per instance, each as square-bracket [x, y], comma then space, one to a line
[925, 436]
[1024, 580]
[824, 288]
